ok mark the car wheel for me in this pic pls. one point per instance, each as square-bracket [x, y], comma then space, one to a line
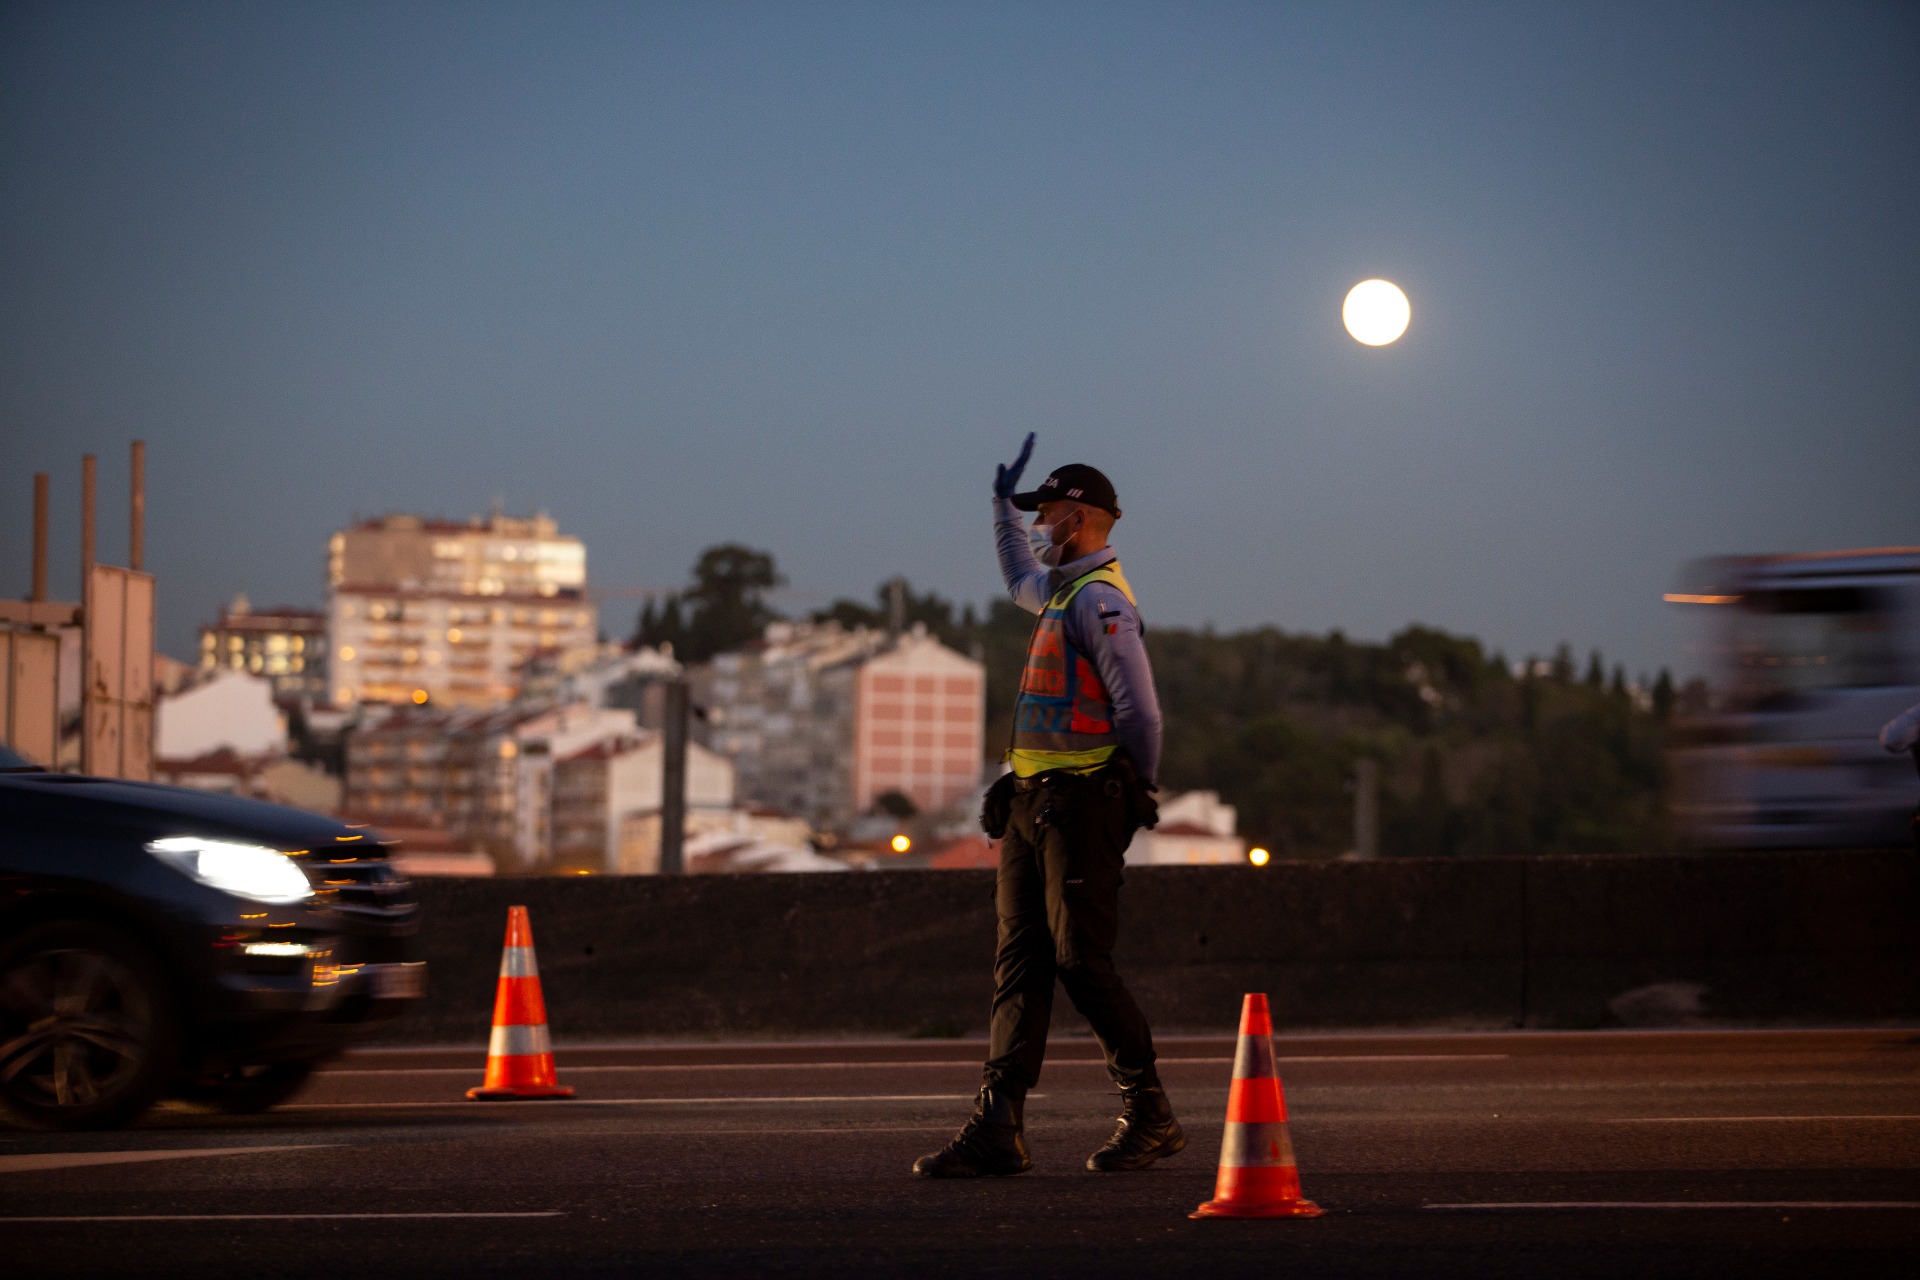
[88, 1027]
[246, 1089]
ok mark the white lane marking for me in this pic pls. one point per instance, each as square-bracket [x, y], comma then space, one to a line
[1378, 1057]
[275, 1217]
[1688, 1204]
[86, 1159]
[557, 1104]
[1743, 1119]
[929, 1062]
[713, 1133]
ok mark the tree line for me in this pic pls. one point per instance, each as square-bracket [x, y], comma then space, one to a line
[1475, 756]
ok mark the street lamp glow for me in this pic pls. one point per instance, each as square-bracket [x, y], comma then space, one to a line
[1258, 857]
[1376, 312]
[901, 844]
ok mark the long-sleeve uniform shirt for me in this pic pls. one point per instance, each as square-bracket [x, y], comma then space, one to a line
[1100, 622]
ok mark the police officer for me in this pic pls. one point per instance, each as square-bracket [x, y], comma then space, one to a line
[1086, 744]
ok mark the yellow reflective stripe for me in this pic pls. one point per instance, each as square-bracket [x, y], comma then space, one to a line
[1027, 763]
[1108, 572]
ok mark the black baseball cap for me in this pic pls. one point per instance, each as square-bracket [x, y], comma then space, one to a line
[1076, 481]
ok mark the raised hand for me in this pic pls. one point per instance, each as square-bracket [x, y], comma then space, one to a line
[1006, 479]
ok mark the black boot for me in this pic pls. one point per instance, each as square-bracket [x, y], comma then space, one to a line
[1147, 1132]
[990, 1145]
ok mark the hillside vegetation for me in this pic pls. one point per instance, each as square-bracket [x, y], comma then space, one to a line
[1473, 758]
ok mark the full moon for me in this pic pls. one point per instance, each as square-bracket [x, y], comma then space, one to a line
[1376, 312]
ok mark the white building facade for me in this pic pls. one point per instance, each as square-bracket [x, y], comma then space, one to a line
[231, 709]
[1195, 829]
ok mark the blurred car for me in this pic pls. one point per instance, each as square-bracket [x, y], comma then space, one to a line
[1811, 655]
[157, 942]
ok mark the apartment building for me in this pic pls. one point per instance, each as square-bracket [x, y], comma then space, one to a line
[287, 646]
[606, 803]
[434, 611]
[821, 720]
[919, 725]
[485, 776]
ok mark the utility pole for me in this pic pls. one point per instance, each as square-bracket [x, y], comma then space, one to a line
[86, 525]
[39, 538]
[673, 780]
[137, 513]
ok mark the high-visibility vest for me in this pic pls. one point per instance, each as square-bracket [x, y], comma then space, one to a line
[1063, 718]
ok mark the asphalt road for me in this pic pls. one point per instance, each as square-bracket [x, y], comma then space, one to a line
[1603, 1154]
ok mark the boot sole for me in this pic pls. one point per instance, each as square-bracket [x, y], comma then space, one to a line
[1161, 1152]
[973, 1173]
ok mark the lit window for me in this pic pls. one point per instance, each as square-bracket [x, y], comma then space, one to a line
[234, 643]
[346, 653]
[453, 635]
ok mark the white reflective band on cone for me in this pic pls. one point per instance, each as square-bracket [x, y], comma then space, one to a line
[1256, 1146]
[519, 1041]
[517, 962]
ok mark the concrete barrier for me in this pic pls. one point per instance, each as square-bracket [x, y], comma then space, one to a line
[1449, 942]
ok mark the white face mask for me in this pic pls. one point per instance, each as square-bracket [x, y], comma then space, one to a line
[1045, 549]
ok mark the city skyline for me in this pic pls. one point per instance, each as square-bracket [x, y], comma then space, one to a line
[799, 281]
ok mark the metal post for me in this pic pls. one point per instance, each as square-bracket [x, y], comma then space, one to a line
[673, 780]
[39, 538]
[1366, 808]
[137, 516]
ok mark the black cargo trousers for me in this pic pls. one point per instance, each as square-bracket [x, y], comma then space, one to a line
[1057, 896]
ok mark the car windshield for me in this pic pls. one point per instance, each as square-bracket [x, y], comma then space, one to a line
[1806, 639]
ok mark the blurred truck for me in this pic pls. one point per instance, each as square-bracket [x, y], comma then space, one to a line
[1810, 656]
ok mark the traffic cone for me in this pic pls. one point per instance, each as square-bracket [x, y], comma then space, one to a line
[1257, 1174]
[520, 1054]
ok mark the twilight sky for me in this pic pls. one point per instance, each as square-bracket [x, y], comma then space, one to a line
[799, 275]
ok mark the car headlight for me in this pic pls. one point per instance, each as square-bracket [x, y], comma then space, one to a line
[244, 870]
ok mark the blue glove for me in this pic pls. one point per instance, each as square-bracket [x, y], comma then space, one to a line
[1007, 479]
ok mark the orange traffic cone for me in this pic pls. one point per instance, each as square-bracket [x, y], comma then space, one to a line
[520, 1055]
[1257, 1174]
